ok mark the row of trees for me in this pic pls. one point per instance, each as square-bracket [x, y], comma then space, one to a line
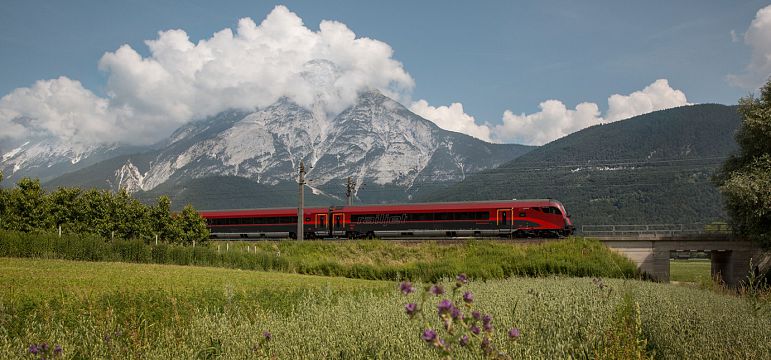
[28, 207]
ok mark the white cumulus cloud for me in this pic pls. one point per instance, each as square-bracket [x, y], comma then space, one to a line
[452, 118]
[758, 38]
[556, 120]
[656, 96]
[148, 97]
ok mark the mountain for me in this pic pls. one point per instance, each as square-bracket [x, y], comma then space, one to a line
[47, 158]
[391, 153]
[651, 169]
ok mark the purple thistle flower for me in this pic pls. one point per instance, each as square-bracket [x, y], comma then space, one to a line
[485, 345]
[444, 306]
[406, 287]
[33, 349]
[411, 308]
[488, 327]
[476, 315]
[44, 346]
[462, 279]
[442, 344]
[455, 313]
[267, 335]
[475, 329]
[57, 349]
[428, 335]
[437, 290]
[513, 333]
[463, 340]
[468, 297]
[487, 319]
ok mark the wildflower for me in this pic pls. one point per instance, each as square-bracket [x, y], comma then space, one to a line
[488, 327]
[57, 349]
[33, 349]
[474, 329]
[406, 287]
[44, 346]
[267, 335]
[461, 279]
[485, 345]
[428, 335]
[468, 297]
[476, 315]
[441, 344]
[487, 319]
[410, 309]
[437, 290]
[106, 338]
[445, 306]
[463, 340]
[513, 333]
[455, 313]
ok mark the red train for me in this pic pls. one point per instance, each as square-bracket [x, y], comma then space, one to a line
[505, 218]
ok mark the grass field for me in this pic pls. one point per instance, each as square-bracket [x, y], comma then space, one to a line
[360, 259]
[119, 310]
[691, 270]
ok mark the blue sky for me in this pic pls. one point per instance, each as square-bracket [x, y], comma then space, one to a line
[492, 57]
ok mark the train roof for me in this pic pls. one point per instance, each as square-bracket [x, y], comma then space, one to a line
[460, 205]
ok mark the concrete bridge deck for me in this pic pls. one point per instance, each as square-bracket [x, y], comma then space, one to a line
[651, 252]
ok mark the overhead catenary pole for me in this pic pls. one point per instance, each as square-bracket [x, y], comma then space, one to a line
[349, 187]
[301, 182]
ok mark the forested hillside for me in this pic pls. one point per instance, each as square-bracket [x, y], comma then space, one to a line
[651, 169]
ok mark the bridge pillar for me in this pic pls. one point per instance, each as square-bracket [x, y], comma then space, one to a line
[721, 266]
[733, 266]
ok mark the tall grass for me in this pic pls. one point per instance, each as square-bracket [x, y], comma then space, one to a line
[123, 311]
[362, 259]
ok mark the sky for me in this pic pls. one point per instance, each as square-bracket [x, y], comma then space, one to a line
[524, 72]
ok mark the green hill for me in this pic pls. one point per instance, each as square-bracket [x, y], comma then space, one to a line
[650, 169]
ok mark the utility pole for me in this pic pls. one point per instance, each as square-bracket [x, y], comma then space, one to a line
[349, 187]
[300, 218]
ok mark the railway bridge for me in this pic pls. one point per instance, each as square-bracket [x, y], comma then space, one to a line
[651, 247]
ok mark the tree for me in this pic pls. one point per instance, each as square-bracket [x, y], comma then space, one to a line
[161, 222]
[3, 204]
[745, 179]
[28, 206]
[65, 211]
[192, 226]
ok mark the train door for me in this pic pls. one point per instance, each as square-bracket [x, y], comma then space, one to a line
[338, 224]
[504, 219]
[322, 224]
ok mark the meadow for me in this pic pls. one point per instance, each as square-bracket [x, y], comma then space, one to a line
[361, 259]
[690, 270]
[122, 310]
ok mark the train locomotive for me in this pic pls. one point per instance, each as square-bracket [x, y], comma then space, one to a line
[504, 218]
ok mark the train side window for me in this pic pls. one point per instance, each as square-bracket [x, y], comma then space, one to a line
[444, 216]
[522, 214]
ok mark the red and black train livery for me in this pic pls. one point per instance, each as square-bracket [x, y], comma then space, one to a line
[505, 218]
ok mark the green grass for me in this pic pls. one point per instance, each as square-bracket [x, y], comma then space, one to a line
[362, 259]
[691, 270]
[119, 310]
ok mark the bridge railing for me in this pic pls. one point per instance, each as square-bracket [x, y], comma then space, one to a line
[654, 231]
